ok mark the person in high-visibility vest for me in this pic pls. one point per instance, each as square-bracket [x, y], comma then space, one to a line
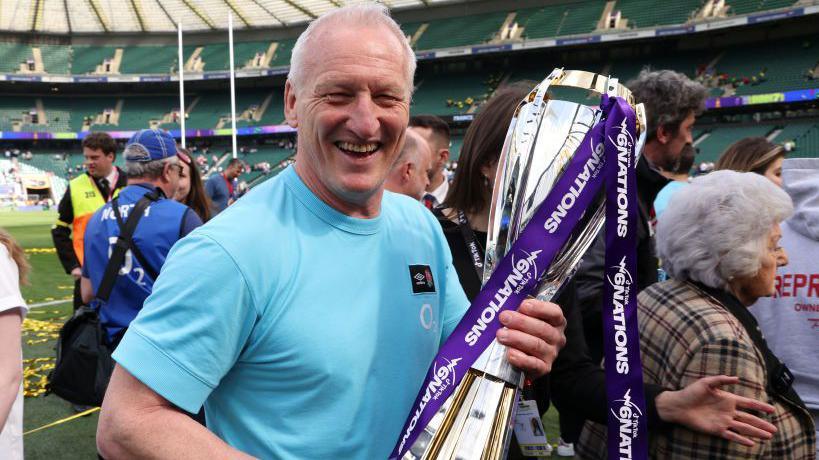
[85, 194]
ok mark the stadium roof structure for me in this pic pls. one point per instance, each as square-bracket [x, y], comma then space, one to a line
[101, 16]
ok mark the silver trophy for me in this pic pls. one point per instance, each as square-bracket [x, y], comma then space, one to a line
[475, 423]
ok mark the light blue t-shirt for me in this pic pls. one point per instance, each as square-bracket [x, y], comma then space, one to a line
[664, 197]
[306, 333]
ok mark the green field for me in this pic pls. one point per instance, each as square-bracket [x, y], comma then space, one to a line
[48, 282]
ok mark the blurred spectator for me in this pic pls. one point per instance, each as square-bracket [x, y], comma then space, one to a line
[13, 271]
[754, 154]
[671, 103]
[191, 191]
[410, 172]
[153, 170]
[721, 251]
[85, 194]
[436, 132]
[221, 188]
[679, 179]
[790, 319]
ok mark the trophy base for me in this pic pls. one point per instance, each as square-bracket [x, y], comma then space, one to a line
[476, 425]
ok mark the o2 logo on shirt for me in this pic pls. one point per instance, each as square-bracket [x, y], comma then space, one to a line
[127, 263]
[426, 316]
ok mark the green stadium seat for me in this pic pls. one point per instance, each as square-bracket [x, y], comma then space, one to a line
[85, 59]
[752, 6]
[648, 13]
[712, 147]
[461, 31]
[149, 59]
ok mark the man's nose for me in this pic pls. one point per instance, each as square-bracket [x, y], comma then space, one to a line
[364, 118]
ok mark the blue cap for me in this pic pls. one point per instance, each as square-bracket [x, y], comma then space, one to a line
[150, 145]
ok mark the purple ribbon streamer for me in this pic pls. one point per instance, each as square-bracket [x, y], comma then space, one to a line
[627, 432]
[519, 272]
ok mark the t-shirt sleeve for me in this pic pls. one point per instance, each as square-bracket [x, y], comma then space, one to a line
[10, 296]
[455, 301]
[193, 326]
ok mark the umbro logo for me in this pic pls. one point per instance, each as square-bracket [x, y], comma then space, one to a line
[421, 279]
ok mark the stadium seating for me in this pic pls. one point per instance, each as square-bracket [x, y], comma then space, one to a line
[13, 54]
[85, 59]
[148, 59]
[647, 13]
[714, 143]
[14, 108]
[460, 31]
[804, 137]
[448, 94]
[560, 19]
[283, 50]
[56, 58]
[783, 65]
[752, 6]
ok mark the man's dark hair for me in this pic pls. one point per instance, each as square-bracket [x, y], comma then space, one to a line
[100, 141]
[669, 97]
[234, 162]
[435, 124]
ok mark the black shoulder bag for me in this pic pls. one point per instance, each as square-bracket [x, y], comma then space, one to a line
[84, 364]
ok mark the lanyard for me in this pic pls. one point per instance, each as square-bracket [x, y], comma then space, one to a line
[475, 252]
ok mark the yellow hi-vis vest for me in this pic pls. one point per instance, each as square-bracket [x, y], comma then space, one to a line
[85, 200]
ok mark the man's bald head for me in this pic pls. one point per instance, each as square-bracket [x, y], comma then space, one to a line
[410, 173]
[350, 17]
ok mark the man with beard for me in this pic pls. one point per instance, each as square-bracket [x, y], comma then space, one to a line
[671, 101]
[679, 178]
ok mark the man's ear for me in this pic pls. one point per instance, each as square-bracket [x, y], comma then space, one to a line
[290, 114]
[406, 175]
[443, 155]
[664, 135]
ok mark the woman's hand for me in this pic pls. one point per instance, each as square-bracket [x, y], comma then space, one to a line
[702, 406]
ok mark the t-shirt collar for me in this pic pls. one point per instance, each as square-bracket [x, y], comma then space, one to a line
[324, 211]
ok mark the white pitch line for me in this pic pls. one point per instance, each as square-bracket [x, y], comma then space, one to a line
[49, 303]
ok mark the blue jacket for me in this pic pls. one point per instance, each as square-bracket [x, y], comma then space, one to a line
[164, 223]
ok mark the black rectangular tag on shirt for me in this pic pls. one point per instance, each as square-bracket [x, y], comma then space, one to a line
[421, 279]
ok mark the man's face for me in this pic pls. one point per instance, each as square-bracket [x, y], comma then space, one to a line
[234, 171]
[99, 164]
[436, 148]
[419, 180]
[678, 144]
[351, 111]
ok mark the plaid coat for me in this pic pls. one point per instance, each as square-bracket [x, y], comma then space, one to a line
[686, 334]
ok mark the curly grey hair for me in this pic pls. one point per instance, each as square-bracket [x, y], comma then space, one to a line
[359, 15]
[136, 166]
[717, 228]
[668, 97]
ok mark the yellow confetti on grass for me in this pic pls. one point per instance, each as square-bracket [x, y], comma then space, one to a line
[35, 370]
[40, 250]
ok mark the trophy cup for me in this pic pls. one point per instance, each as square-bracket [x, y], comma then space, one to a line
[475, 422]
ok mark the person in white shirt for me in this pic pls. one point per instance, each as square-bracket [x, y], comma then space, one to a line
[13, 271]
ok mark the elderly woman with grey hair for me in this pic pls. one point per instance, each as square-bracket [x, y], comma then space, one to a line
[718, 241]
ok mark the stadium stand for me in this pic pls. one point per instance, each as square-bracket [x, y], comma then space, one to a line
[751, 6]
[16, 112]
[712, 144]
[86, 59]
[561, 19]
[460, 31]
[148, 59]
[647, 13]
[282, 54]
[779, 66]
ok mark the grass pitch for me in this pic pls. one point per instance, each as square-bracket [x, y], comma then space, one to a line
[48, 283]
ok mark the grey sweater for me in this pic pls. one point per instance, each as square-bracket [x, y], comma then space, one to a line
[790, 320]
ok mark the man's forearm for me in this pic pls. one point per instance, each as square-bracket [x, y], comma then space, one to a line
[160, 434]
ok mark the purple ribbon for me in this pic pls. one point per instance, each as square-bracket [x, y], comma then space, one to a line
[519, 272]
[627, 432]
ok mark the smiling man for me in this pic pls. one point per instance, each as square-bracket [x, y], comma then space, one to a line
[307, 328]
